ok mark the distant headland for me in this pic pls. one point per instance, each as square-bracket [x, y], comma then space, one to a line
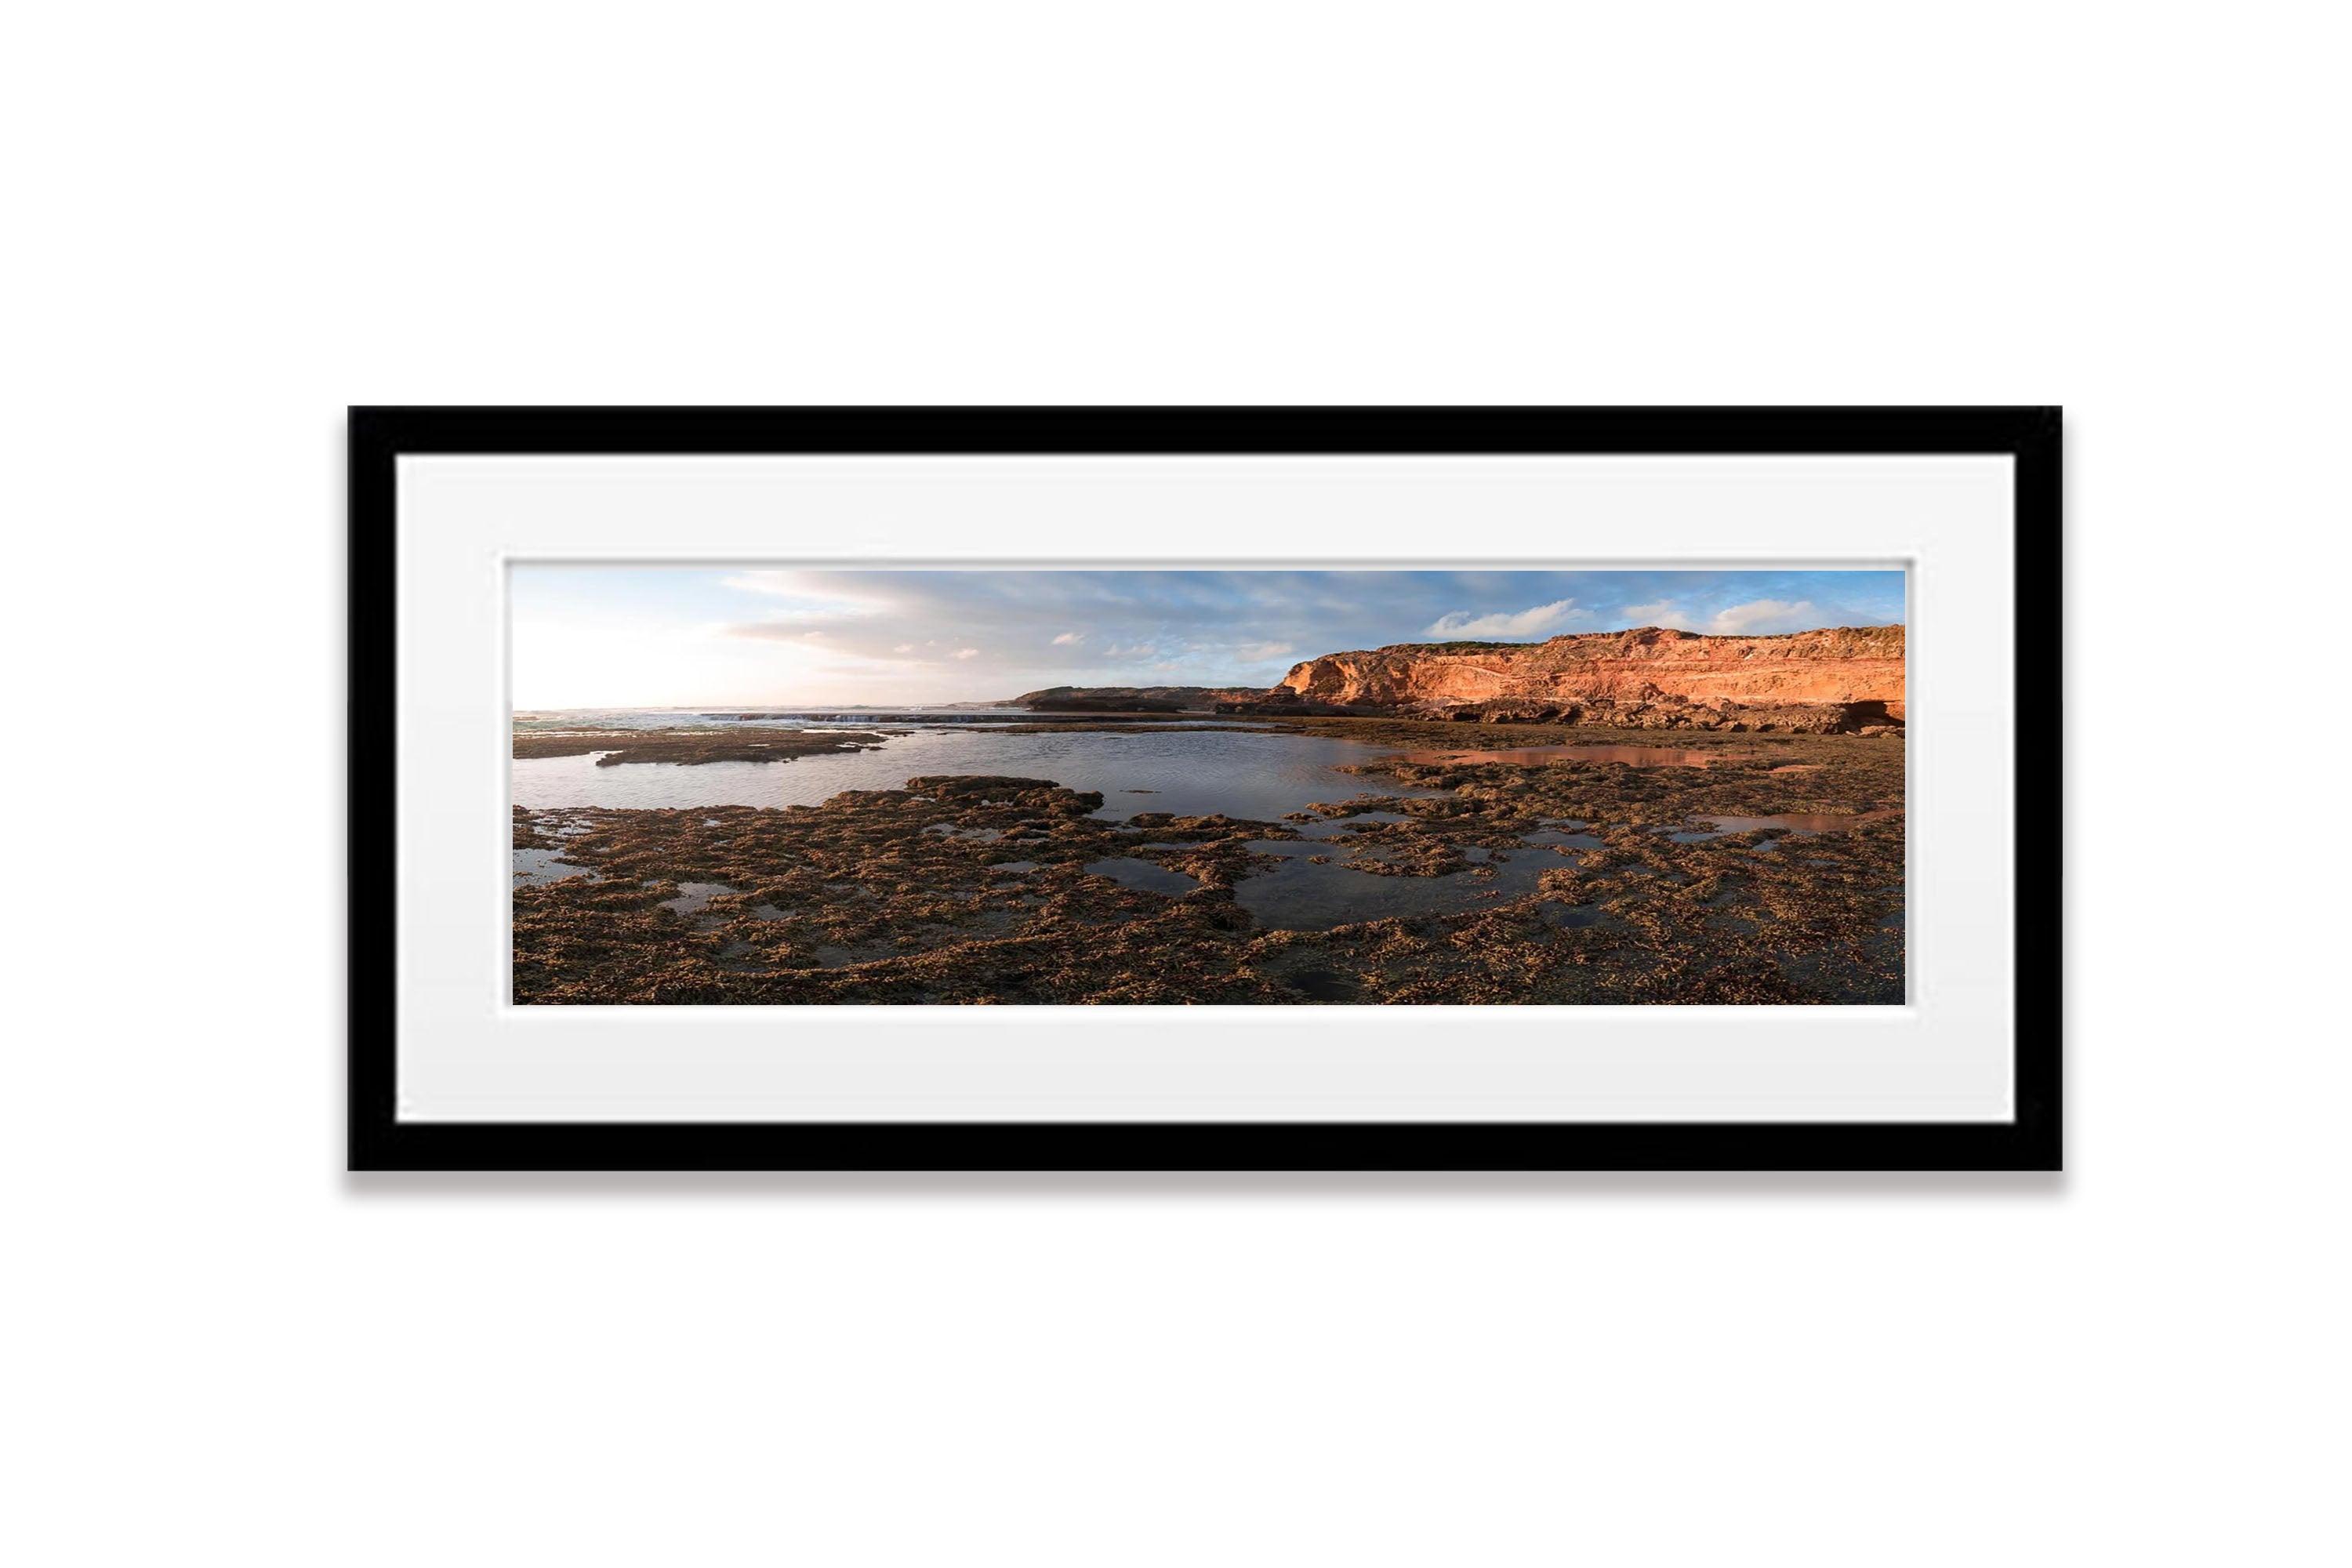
[1830, 680]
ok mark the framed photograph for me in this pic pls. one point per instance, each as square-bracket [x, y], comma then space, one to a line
[1204, 789]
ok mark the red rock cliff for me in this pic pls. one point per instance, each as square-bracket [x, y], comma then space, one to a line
[1643, 676]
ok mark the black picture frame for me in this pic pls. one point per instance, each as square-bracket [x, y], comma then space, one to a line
[378, 1140]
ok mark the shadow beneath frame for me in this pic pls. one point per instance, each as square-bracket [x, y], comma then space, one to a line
[1249, 1185]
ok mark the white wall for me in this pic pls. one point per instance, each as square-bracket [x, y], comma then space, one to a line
[228, 221]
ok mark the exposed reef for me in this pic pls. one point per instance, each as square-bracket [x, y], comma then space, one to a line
[693, 745]
[1564, 879]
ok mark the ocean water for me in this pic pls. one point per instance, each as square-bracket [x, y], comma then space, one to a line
[1198, 771]
[559, 720]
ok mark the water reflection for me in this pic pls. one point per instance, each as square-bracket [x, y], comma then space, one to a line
[693, 896]
[534, 867]
[1563, 839]
[1255, 775]
[1299, 895]
[1341, 826]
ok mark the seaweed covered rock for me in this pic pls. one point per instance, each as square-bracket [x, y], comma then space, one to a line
[1035, 795]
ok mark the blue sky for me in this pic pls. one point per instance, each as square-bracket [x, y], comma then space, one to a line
[589, 636]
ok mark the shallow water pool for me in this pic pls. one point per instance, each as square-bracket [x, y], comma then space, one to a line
[1299, 895]
[1252, 774]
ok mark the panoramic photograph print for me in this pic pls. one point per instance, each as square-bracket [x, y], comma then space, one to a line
[783, 786]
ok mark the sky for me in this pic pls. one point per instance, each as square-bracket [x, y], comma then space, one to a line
[622, 636]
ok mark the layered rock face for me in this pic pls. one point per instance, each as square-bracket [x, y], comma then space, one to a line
[1654, 678]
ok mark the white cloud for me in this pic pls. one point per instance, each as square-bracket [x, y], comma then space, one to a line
[816, 599]
[965, 653]
[1137, 652]
[1755, 618]
[818, 587]
[765, 631]
[1664, 613]
[904, 647]
[770, 583]
[1528, 623]
[768, 631]
[1764, 617]
[798, 623]
[1069, 640]
[1263, 652]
